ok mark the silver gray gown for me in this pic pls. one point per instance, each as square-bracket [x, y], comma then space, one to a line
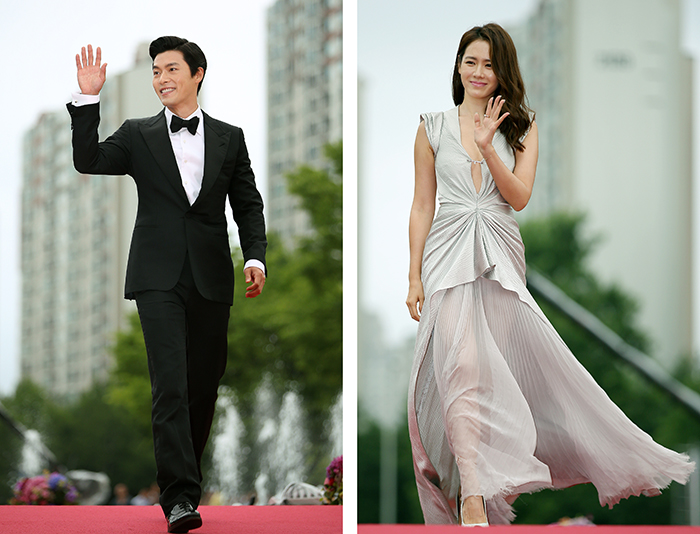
[497, 403]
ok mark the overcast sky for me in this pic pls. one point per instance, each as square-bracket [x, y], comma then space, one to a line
[40, 39]
[405, 54]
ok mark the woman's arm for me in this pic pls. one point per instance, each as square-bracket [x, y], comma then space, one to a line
[515, 186]
[422, 212]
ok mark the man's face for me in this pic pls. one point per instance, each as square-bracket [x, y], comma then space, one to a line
[173, 82]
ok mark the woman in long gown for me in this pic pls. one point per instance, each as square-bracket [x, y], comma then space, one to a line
[498, 405]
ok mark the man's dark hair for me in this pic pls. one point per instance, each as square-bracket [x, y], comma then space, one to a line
[194, 57]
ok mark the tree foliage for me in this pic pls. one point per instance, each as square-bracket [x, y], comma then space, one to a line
[292, 332]
[96, 434]
[129, 384]
[31, 407]
[369, 469]
[86, 433]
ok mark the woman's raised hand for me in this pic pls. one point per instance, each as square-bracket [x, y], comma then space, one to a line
[91, 73]
[484, 129]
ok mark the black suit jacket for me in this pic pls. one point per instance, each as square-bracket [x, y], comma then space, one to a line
[167, 228]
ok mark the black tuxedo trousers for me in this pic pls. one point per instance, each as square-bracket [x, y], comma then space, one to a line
[186, 342]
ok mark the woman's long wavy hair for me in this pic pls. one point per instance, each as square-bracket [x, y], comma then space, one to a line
[504, 61]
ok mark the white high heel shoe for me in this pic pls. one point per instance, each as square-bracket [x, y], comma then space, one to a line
[461, 514]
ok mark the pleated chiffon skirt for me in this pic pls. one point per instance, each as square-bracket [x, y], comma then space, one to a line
[500, 406]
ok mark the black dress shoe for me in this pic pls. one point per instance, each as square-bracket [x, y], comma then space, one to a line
[183, 518]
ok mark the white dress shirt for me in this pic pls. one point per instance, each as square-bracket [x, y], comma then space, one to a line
[189, 154]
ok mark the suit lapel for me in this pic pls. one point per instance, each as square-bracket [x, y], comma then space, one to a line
[215, 147]
[155, 133]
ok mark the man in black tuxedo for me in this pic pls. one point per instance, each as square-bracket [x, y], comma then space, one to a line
[180, 273]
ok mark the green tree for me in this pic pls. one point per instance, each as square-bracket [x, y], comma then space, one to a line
[10, 454]
[85, 433]
[32, 408]
[292, 333]
[129, 384]
[294, 330]
[95, 434]
[368, 469]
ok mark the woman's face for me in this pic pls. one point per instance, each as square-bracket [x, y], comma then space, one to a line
[478, 78]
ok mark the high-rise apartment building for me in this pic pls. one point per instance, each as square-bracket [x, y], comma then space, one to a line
[305, 81]
[612, 91]
[76, 231]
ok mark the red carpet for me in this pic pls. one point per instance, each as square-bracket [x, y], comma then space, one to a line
[525, 529]
[149, 519]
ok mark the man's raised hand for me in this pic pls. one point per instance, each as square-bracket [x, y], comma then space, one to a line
[91, 74]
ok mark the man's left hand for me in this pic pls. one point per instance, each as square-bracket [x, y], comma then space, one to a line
[256, 278]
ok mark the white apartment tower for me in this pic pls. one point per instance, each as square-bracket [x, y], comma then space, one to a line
[305, 81]
[76, 231]
[612, 92]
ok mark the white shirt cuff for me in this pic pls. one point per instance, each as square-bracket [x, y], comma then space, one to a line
[79, 99]
[254, 263]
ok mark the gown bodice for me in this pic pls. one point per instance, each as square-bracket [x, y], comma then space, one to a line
[474, 233]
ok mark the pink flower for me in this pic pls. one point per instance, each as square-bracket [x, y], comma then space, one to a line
[51, 488]
[333, 485]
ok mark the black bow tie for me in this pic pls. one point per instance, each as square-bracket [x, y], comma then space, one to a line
[177, 124]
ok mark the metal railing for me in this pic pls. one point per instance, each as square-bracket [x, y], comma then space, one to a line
[643, 363]
[19, 429]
